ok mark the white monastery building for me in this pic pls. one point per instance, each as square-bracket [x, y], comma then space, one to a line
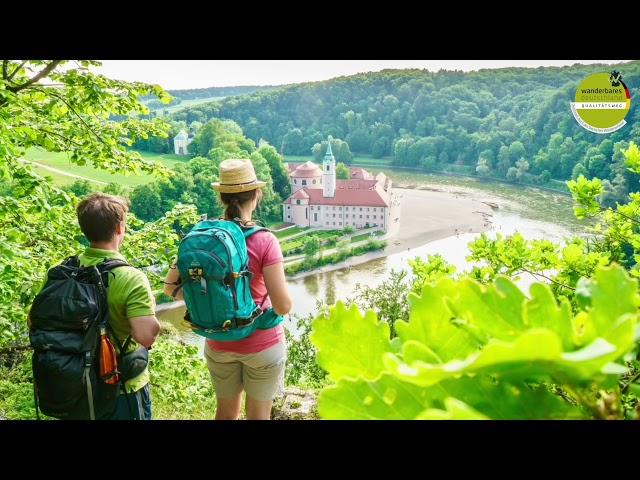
[319, 200]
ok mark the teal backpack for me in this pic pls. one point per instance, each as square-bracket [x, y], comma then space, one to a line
[215, 278]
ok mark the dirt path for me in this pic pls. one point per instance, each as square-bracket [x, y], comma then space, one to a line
[62, 172]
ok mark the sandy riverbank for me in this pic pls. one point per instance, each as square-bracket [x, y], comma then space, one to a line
[425, 216]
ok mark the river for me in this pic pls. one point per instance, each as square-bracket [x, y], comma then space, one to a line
[532, 212]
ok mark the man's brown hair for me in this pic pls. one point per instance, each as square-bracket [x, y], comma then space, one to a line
[99, 214]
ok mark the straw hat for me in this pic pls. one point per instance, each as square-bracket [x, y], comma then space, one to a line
[237, 176]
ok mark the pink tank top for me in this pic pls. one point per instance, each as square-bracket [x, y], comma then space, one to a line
[264, 250]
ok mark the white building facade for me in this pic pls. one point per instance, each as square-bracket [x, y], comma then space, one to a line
[181, 143]
[319, 200]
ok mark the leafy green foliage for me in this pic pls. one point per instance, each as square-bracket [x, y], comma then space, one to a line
[340, 149]
[585, 193]
[191, 182]
[38, 226]
[616, 234]
[482, 351]
[342, 171]
[311, 246]
[434, 268]
[388, 300]
[80, 188]
[302, 368]
[181, 386]
[350, 345]
[16, 390]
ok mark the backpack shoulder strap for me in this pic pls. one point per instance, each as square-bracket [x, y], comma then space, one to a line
[107, 266]
[73, 262]
[111, 263]
[247, 232]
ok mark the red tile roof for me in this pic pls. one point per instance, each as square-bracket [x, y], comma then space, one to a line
[307, 170]
[360, 190]
[344, 197]
[355, 184]
[300, 194]
[360, 173]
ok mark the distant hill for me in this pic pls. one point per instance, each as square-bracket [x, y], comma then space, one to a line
[483, 122]
[219, 91]
[195, 96]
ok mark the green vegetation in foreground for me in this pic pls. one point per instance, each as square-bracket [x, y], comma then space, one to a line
[503, 356]
[60, 161]
[181, 386]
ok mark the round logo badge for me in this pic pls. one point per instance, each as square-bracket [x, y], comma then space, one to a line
[602, 102]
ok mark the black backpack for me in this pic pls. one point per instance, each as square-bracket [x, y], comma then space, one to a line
[66, 318]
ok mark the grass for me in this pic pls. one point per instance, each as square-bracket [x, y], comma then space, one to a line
[366, 236]
[328, 233]
[57, 178]
[288, 247]
[60, 161]
[168, 159]
[336, 257]
[288, 233]
[322, 234]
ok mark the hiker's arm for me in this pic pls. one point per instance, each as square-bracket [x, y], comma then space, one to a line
[277, 288]
[144, 330]
[140, 310]
[172, 281]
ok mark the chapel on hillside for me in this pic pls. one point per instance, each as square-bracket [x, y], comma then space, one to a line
[180, 143]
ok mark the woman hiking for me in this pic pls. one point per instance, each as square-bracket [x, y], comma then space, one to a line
[254, 364]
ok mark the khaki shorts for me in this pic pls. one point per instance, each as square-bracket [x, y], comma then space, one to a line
[260, 374]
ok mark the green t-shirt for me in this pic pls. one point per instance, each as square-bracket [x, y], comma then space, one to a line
[128, 295]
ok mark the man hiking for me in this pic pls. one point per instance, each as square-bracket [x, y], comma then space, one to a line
[127, 321]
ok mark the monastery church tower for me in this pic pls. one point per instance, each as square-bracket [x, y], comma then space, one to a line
[329, 173]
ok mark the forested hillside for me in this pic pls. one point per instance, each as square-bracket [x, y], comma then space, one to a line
[511, 123]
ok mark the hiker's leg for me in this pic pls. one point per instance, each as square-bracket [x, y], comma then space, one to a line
[127, 407]
[258, 409]
[263, 379]
[144, 399]
[228, 408]
[226, 375]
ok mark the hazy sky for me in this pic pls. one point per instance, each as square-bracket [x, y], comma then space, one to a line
[179, 74]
